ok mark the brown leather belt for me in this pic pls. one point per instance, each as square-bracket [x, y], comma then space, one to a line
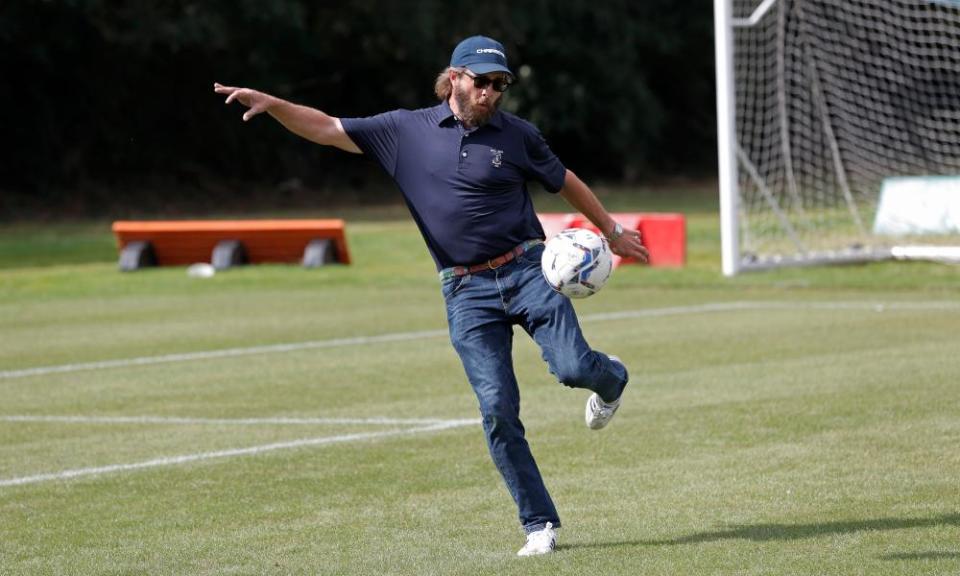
[491, 264]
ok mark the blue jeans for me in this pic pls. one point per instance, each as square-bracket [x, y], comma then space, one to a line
[482, 309]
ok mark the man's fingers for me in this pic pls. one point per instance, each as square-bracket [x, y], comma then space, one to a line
[644, 253]
[250, 98]
[231, 92]
[631, 246]
[252, 112]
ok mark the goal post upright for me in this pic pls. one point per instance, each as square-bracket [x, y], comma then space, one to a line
[726, 135]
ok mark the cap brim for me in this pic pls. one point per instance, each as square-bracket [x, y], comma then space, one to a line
[486, 68]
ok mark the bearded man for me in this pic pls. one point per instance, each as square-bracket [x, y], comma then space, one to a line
[463, 167]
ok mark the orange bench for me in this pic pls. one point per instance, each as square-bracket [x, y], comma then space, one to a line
[663, 234]
[171, 243]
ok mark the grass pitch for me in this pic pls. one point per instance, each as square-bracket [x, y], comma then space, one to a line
[273, 420]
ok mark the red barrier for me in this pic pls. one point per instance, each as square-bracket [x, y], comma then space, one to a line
[664, 234]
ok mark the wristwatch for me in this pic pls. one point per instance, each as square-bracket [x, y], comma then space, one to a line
[616, 232]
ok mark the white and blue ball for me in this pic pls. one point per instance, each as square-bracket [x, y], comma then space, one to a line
[577, 262]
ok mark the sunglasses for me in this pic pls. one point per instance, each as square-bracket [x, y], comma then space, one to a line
[481, 82]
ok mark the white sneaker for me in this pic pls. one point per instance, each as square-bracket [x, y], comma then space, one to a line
[540, 542]
[598, 412]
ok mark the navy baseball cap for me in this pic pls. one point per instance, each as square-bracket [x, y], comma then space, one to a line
[481, 55]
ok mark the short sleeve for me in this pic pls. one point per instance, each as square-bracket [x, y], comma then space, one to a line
[543, 164]
[376, 136]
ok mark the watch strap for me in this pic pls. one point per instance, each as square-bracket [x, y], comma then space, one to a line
[616, 232]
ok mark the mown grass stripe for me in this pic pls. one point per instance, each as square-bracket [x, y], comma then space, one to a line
[425, 334]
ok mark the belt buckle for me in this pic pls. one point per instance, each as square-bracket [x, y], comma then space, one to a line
[494, 263]
[500, 260]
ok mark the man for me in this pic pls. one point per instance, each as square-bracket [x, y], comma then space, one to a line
[462, 167]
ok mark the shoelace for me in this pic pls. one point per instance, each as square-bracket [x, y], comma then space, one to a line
[542, 538]
[601, 408]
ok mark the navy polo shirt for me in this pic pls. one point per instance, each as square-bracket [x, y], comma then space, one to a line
[467, 191]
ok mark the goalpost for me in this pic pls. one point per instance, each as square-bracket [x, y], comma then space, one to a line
[838, 130]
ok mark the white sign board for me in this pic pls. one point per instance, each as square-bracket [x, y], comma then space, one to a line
[919, 205]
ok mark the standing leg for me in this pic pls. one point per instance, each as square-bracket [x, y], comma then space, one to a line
[483, 337]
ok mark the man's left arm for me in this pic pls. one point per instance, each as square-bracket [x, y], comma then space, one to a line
[623, 242]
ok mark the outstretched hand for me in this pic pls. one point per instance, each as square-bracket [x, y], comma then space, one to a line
[629, 245]
[257, 102]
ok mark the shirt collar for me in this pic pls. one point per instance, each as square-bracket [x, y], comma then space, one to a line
[444, 116]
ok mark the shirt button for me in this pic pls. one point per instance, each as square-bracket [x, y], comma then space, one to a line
[464, 154]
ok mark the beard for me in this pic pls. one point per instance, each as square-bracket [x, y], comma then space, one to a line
[474, 114]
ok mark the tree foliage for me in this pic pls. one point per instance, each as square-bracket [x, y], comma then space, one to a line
[107, 99]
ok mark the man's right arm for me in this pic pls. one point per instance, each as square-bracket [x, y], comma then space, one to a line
[303, 121]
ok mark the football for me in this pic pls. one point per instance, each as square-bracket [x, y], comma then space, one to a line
[577, 263]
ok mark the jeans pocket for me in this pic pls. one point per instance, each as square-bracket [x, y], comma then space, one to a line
[453, 285]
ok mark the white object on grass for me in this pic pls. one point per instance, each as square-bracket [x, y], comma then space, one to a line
[201, 270]
[919, 205]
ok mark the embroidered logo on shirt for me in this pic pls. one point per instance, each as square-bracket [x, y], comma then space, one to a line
[497, 159]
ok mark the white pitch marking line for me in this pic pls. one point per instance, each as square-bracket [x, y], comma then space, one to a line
[226, 353]
[421, 335]
[221, 421]
[767, 305]
[252, 450]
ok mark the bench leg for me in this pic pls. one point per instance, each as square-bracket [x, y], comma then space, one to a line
[137, 255]
[319, 252]
[228, 253]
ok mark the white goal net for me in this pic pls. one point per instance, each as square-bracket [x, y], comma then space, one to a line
[839, 130]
